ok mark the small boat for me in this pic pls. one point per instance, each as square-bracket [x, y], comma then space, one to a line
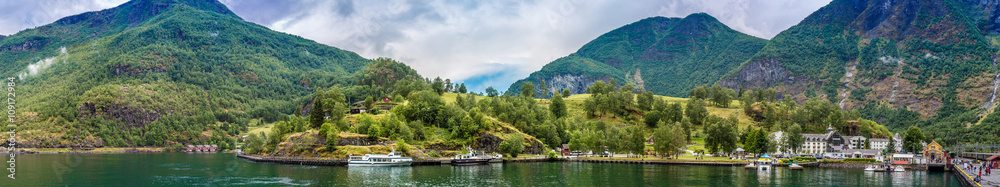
[870, 167]
[794, 166]
[898, 168]
[471, 158]
[764, 163]
[376, 160]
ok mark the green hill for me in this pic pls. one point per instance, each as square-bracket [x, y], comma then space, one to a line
[151, 72]
[667, 56]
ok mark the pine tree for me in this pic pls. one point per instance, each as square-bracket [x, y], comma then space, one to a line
[317, 116]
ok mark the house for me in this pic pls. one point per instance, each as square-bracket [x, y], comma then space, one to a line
[358, 110]
[386, 99]
[191, 148]
[199, 148]
[565, 149]
[649, 140]
[880, 143]
[818, 144]
[933, 151]
[213, 148]
[862, 153]
[855, 142]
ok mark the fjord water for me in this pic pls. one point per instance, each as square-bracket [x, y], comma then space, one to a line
[183, 169]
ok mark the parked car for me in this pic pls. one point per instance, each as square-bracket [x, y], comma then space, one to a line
[604, 154]
[575, 153]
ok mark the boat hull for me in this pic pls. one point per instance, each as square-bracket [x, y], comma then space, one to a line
[379, 164]
[471, 161]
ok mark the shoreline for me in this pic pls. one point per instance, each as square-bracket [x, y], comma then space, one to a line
[342, 162]
[113, 150]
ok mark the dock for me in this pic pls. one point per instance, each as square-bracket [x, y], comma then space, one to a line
[967, 175]
[656, 162]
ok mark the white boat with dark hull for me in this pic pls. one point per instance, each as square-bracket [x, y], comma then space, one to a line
[379, 160]
[471, 158]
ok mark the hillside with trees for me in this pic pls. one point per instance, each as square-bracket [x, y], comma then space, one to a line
[159, 73]
[667, 56]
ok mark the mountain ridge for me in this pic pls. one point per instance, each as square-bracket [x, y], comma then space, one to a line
[652, 53]
[160, 72]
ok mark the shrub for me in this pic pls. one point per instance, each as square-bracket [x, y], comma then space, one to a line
[860, 160]
[513, 145]
[804, 159]
[552, 154]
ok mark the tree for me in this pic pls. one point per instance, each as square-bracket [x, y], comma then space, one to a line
[543, 91]
[317, 116]
[461, 89]
[721, 96]
[438, 86]
[566, 93]
[700, 92]
[331, 140]
[334, 103]
[763, 142]
[448, 87]
[668, 138]
[254, 144]
[721, 135]
[792, 141]
[652, 119]
[528, 90]
[673, 113]
[557, 106]
[326, 129]
[492, 92]
[696, 111]
[368, 102]
[637, 140]
[645, 100]
[513, 145]
[911, 142]
[598, 88]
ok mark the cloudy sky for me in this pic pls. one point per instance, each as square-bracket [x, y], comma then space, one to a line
[482, 43]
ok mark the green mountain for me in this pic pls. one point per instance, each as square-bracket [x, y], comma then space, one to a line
[901, 63]
[153, 72]
[667, 56]
[911, 54]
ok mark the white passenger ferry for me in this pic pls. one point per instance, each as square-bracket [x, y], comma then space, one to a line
[376, 160]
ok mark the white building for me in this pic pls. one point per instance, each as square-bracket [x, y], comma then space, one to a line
[814, 144]
[855, 142]
[882, 143]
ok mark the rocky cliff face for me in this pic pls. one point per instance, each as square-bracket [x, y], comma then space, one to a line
[758, 74]
[490, 143]
[904, 53]
[577, 84]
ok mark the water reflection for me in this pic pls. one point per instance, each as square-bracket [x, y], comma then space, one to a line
[170, 169]
[380, 176]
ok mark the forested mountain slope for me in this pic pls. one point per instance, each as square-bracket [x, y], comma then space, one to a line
[667, 56]
[151, 72]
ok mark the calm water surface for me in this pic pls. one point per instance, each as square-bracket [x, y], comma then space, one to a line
[175, 169]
